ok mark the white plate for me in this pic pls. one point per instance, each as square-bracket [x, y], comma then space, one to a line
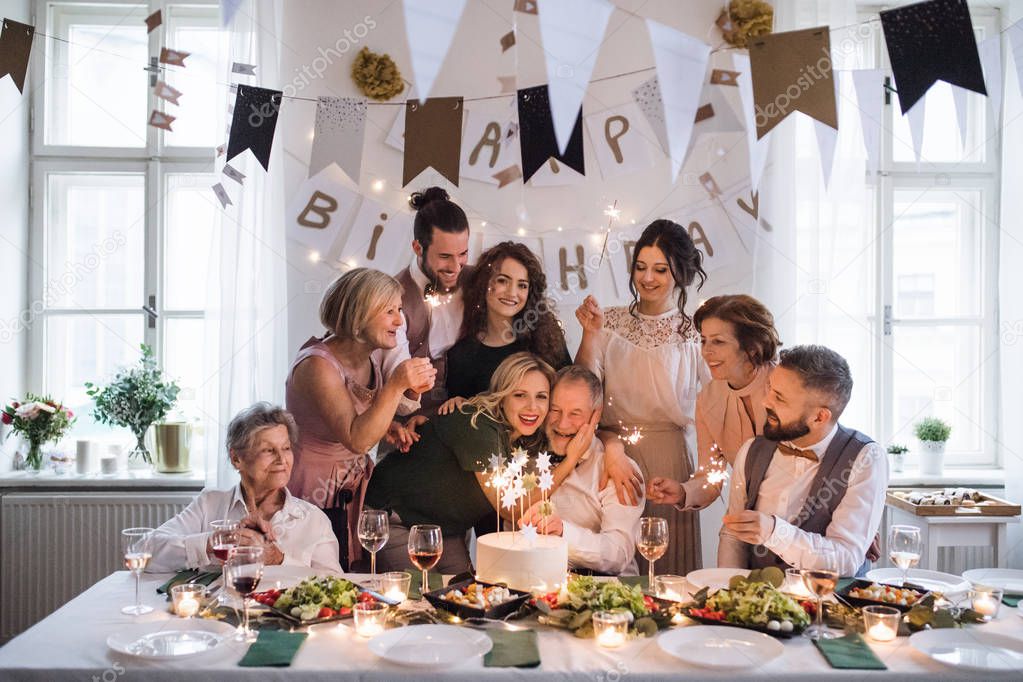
[970, 649]
[430, 646]
[714, 578]
[719, 647]
[1009, 580]
[171, 640]
[946, 583]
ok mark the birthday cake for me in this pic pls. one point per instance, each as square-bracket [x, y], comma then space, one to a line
[522, 562]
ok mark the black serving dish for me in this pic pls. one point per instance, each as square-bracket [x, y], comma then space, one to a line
[497, 612]
[796, 631]
[843, 595]
[339, 616]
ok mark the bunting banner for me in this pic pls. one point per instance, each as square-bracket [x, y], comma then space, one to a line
[233, 173]
[173, 57]
[990, 52]
[648, 96]
[167, 92]
[222, 196]
[153, 21]
[827, 138]
[791, 71]
[429, 27]
[621, 140]
[158, 119]
[917, 119]
[15, 48]
[319, 210]
[433, 138]
[869, 85]
[243, 69]
[681, 68]
[931, 41]
[715, 115]
[537, 140]
[370, 240]
[757, 148]
[253, 123]
[571, 260]
[228, 8]
[572, 31]
[338, 135]
[490, 144]
[960, 102]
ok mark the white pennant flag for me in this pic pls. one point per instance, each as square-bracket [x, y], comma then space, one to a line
[962, 106]
[228, 8]
[991, 61]
[827, 137]
[429, 27]
[757, 148]
[869, 84]
[1015, 33]
[681, 62]
[917, 119]
[572, 31]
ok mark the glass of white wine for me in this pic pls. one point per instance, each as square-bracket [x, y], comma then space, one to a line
[653, 542]
[821, 581]
[905, 544]
[136, 546]
[373, 534]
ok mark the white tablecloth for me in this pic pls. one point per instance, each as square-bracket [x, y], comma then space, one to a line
[70, 644]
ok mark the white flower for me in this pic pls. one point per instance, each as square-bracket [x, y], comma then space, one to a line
[32, 410]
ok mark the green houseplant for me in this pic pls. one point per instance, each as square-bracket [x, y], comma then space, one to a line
[898, 453]
[932, 433]
[137, 398]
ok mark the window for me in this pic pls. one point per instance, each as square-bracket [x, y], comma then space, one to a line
[122, 213]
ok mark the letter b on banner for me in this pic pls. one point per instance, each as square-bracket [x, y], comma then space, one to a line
[317, 211]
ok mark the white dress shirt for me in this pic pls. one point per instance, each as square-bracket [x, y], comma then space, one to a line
[782, 494]
[601, 532]
[303, 533]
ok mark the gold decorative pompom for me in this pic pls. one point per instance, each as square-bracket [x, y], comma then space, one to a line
[376, 75]
[745, 20]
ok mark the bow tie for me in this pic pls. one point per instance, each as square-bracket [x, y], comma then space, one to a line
[797, 452]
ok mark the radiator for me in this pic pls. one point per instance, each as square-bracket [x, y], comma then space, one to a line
[54, 546]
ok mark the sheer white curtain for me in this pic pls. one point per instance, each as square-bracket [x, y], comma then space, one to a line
[246, 319]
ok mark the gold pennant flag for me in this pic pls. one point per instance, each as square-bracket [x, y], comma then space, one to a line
[724, 77]
[508, 175]
[153, 21]
[173, 57]
[433, 137]
[791, 71]
[507, 41]
[167, 92]
[158, 119]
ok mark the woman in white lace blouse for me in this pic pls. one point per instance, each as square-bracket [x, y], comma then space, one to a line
[648, 355]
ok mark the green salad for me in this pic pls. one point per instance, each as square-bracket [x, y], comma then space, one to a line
[758, 604]
[309, 598]
[610, 595]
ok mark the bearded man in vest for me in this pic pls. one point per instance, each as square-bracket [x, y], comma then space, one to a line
[809, 491]
[432, 297]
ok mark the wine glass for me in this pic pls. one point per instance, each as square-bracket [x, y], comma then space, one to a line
[224, 538]
[373, 533]
[905, 544]
[136, 545]
[425, 545]
[653, 541]
[821, 581]
[242, 571]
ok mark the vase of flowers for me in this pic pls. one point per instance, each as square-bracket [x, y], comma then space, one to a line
[39, 420]
[137, 398]
[932, 433]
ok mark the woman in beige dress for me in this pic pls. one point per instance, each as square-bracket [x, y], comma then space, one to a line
[648, 356]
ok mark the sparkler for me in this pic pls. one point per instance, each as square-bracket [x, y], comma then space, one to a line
[612, 212]
[716, 472]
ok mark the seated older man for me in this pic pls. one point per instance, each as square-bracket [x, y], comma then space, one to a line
[292, 531]
[601, 531]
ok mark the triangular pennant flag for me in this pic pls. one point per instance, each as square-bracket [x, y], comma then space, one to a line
[507, 41]
[167, 92]
[233, 173]
[917, 119]
[173, 57]
[869, 84]
[222, 196]
[648, 96]
[931, 41]
[1015, 33]
[158, 119]
[537, 141]
[681, 68]
[525, 6]
[433, 138]
[827, 137]
[243, 69]
[961, 106]
[153, 21]
[253, 123]
[757, 148]
[228, 8]
[800, 59]
[508, 175]
[338, 137]
[15, 47]
[724, 77]
[715, 115]
[572, 31]
[429, 27]
[990, 52]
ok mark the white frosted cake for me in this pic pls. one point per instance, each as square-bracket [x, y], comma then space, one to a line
[522, 563]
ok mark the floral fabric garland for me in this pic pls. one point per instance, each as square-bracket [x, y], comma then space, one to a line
[376, 75]
[745, 20]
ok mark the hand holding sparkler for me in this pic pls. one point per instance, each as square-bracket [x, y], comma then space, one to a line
[590, 315]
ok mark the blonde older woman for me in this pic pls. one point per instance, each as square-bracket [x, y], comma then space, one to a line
[339, 398]
[293, 532]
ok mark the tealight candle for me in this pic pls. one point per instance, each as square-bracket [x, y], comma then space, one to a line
[881, 622]
[186, 599]
[369, 618]
[610, 628]
[671, 587]
[395, 585]
[985, 601]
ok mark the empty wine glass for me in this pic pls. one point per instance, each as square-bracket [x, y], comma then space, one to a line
[905, 544]
[373, 534]
[136, 546]
[243, 571]
[425, 545]
[821, 581]
[653, 542]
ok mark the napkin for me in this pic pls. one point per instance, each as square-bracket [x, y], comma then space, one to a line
[436, 582]
[273, 648]
[1011, 599]
[189, 575]
[512, 649]
[850, 652]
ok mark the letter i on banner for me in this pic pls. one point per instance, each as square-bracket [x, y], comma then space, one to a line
[318, 211]
[373, 240]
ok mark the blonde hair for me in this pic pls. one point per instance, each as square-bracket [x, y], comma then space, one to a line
[353, 298]
[503, 383]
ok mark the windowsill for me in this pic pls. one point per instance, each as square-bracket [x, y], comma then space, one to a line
[973, 477]
[142, 479]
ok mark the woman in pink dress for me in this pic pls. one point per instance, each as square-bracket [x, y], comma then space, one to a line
[337, 394]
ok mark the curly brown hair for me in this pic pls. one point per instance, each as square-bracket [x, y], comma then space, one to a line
[536, 323]
[752, 321]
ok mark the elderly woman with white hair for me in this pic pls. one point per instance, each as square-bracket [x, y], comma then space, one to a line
[291, 531]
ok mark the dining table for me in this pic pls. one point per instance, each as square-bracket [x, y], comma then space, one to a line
[71, 644]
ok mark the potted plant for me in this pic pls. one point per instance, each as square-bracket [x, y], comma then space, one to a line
[898, 453]
[39, 420]
[932, 433]
[137, 398]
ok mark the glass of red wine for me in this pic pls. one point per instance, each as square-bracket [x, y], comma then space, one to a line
[136, 547]
[425, 545]
[224, 538]
[242, 572]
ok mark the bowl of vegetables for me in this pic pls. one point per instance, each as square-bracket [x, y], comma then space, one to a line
[572, 607]
[316, 600]
[753, 602]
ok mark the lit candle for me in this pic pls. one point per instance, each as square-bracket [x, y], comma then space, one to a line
[985, 605]
[881, 632]
[186, 599]
[610, 639]
[395, 585]
[881, 622]
[369, 618]
[610, 628]
[394, 594]
[188, 607]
